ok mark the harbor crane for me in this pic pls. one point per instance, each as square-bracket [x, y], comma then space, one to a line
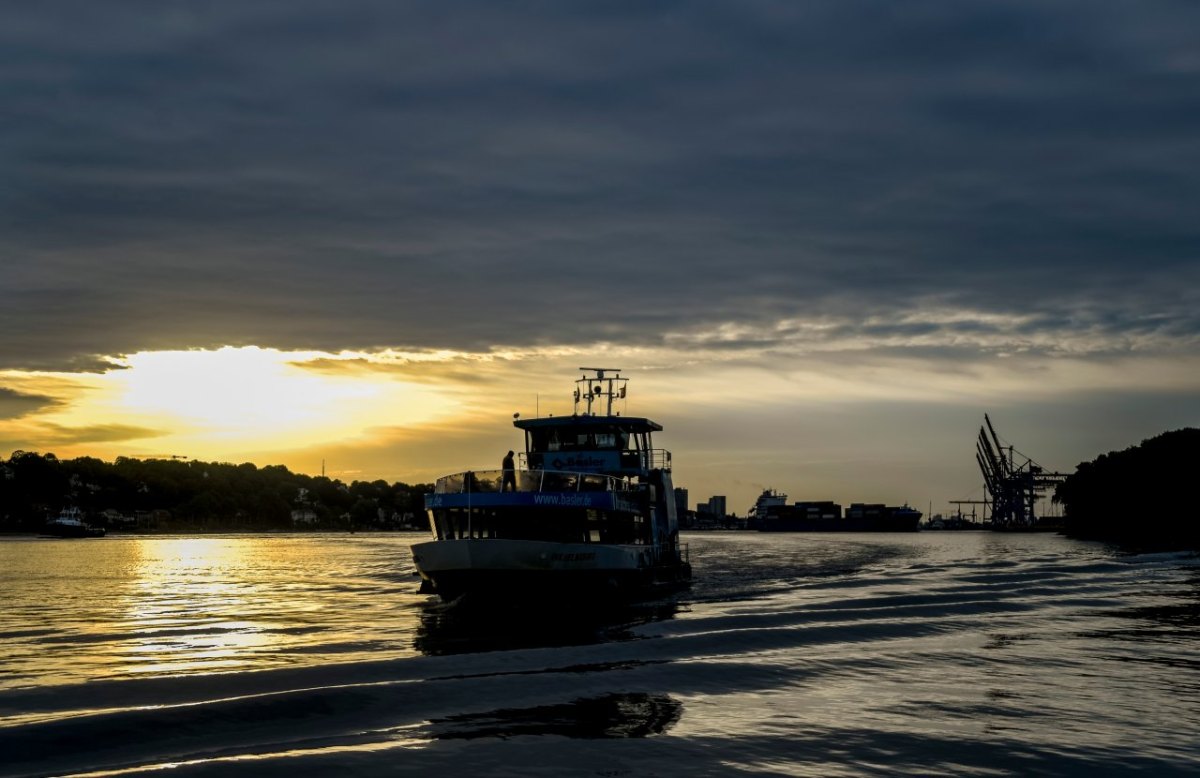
[1013, 481]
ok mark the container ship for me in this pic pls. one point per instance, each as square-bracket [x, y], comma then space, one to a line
[772, 513]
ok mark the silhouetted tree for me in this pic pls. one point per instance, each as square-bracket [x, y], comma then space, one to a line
[1142, 495]
[202, 495]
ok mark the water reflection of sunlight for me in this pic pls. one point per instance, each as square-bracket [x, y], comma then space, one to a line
[193, 608]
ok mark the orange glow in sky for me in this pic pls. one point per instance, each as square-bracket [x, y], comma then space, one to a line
[818, 427]
[212, 404]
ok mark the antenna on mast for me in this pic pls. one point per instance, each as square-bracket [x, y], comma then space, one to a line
[591, 388]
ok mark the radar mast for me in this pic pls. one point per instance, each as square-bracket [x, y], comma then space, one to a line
[606, 384]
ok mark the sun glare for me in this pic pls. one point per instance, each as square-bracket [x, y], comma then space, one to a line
[213, 403]
[245, 391]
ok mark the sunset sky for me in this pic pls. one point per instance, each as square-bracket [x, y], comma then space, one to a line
[821, 238]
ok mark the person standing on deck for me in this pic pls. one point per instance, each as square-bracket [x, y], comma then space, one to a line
[510, 473]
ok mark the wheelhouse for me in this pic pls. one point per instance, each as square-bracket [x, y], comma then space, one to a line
[593, 444]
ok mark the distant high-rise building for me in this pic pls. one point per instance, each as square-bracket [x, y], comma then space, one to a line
[681, 501]
[711, 511]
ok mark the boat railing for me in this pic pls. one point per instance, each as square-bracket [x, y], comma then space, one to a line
[656, 459]
[477, 481]
[665, 554]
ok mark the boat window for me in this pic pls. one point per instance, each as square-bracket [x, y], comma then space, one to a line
[601, 438]
[569, 526]
[593, 483]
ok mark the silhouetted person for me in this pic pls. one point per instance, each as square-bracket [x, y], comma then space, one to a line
[510, 473]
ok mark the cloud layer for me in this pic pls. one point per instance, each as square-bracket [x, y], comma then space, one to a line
[861, 224]
[331, 176]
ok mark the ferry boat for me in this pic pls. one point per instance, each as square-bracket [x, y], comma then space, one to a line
[69, 523]
[589, 511]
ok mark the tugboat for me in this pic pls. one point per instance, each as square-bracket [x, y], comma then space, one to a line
[69, 524]
[589, 514]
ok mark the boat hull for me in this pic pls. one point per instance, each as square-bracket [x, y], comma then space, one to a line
[530, 570]
[891, 524]
[72, 531]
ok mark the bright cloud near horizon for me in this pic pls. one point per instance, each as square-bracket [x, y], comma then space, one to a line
[821, 239]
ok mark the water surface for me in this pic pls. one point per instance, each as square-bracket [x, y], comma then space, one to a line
[792, 654]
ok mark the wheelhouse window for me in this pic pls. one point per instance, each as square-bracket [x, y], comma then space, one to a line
[578, 440]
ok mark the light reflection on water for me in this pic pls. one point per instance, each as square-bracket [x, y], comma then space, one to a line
[134, 606]
[179, 606]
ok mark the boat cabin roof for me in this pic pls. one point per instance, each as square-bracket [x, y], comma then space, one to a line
[631, 424]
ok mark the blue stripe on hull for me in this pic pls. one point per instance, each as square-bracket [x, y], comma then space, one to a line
[543, 500]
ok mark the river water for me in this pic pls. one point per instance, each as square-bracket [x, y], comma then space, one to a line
[946, 653]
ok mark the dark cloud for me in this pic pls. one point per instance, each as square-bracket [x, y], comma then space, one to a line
[370, 175]
[47, 435]
[14, 404]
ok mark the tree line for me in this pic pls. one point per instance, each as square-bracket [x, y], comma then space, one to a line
[193, 495]
[1141, 496]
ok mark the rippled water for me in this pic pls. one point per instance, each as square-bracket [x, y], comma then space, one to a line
[792, 654]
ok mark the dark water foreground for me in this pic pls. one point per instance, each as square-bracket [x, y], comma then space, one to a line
[930, 654]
